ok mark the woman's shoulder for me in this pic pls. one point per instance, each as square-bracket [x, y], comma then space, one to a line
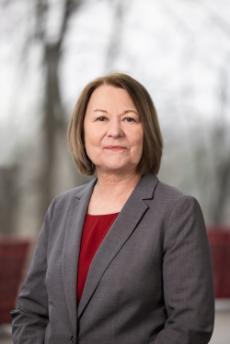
[171, 197]
[168, 191]
[66, 197]
[162, 195]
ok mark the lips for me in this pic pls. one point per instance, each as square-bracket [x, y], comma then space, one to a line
[115, 148]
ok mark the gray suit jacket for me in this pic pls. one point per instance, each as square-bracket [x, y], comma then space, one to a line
[149, 282]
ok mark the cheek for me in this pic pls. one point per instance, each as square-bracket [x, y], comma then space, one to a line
[139, 144]
[137, 148]
[138, 140]
[88, 143]
[92, 143]
[91, 135]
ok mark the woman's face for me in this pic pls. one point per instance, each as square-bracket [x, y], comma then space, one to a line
[113, 131]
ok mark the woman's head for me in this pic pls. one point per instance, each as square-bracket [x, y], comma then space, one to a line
[150, 158]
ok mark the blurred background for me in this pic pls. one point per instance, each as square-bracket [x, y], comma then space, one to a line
[49, 49]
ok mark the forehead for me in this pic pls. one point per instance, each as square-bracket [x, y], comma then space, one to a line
[108, 95]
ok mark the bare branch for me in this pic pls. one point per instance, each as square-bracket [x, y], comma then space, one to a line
[41, 9]
[69, 8]
[119, 11]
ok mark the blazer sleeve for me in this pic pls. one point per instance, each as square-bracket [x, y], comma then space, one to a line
[187, 277]
[30, 318]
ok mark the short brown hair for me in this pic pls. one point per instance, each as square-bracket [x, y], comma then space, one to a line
[152, 146]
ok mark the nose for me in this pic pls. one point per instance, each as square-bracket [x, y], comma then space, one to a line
[114, 128]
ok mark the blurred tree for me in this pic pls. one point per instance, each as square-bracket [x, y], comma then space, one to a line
[217, 204]
[220, 145]
[54, 119]
[220, 131]
[119, 9]
[9, 193]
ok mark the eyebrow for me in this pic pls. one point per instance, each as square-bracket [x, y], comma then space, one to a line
[123, 113]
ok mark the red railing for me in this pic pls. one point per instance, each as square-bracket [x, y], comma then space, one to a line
[219, 239]
[13, 255]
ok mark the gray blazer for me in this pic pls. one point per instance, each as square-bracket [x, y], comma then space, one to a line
[149, 282]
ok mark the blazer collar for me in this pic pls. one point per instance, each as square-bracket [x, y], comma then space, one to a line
[119, 233]
[144, 189]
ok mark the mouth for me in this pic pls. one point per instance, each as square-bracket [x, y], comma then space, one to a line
[115, 148]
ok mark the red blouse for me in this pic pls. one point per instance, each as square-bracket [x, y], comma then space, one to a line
[94, 231]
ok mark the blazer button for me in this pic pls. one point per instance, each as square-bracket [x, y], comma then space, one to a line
[71, 339]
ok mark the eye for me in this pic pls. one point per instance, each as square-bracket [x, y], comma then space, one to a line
[101, 118]
[129, 119]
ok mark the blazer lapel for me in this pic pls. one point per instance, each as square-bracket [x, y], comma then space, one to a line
[121, 230]
[72, 241]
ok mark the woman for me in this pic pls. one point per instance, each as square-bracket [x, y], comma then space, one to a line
[123, 259]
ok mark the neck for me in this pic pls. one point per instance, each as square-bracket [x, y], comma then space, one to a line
[111, 192]
[115, 182]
